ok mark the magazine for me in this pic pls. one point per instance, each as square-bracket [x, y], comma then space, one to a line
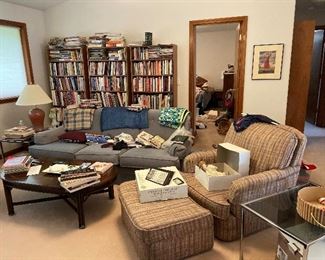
[147, 139]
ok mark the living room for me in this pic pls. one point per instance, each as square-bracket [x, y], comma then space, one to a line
[49, 230]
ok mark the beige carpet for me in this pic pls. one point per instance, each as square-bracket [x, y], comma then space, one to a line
[49, 230]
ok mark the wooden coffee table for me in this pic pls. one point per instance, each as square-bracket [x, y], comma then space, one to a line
[48, 183]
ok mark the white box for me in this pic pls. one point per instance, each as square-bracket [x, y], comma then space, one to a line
[150, 191]
[231, 159]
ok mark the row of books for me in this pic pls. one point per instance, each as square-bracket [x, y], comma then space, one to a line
[64, 99]
[156, 52]
[112, 99]
[106, 54]
[68, 83]
[66, 69]
[66, 42]
[106, 40]
[153, 84]
[90, 103]
[111, 68]
[163, 67]
[63, 55]
[17, 164]
[108, 83]
[154, 101]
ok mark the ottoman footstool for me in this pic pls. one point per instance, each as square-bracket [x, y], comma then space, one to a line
[172, 229]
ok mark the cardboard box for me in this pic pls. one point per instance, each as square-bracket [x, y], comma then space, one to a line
[231, 159]
[150, 191]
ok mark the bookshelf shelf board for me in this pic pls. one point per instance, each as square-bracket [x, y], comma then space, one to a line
[153, 92]
[59, 90]
[162, 75]
[66, 48]
[152, 59]
[110, 76]
[106, 60]
[65, 76]
[114, 91]
[59, 61]
[108, 48]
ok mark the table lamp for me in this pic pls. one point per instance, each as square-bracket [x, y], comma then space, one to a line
[33, 95]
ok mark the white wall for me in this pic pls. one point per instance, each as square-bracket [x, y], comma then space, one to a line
[10, 114]
[214, 51]
[269, 21]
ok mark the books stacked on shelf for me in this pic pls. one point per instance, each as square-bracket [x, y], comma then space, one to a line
[161, 67]
[90, 103]
[152, 84]
[64, 55]
[114, 40]
[96, 41]
[116, 68]
[67, 84]
[78, 179]
[108, 83]
[17, 164]
[112, 99]
[63, 99]
[56, 43]
[19, 132]
[66, 69]
[73, 41]
[152, 52]
[116, 54]
[153, 101]
[96, 53]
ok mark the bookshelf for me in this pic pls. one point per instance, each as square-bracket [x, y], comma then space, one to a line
[108, 75]
[68, 74]
[153, 76]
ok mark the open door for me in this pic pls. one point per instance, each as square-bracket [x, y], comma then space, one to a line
[302, 47]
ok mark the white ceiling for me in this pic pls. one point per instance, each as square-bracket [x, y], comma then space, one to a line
[36, 4]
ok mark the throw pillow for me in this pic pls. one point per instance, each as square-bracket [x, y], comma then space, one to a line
[73, 137]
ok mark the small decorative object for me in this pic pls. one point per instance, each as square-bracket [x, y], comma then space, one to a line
[310, 205]
[147, 38]
[267, 61]
[33, 95]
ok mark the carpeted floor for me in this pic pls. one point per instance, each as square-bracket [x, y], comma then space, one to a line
[49, 230]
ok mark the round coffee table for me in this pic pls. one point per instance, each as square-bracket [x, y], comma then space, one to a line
[48, 183]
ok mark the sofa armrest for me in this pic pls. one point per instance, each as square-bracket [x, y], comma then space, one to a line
[260, 185]
[49, 136]
[180, 150]
[194, 158]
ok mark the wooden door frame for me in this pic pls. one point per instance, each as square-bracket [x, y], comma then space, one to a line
[239, 77]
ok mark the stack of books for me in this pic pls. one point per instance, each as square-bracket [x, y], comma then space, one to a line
[78, 179]
[115, 40]
[19, 132]
[96, 41]
[73, 41]
[90, 103]
[17, 164]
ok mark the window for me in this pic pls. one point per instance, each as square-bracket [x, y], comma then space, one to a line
[15, 63]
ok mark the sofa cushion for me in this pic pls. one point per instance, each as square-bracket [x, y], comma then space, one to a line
[48, 136]
[215, 201]
[271, 146]
[147, 158]
[56, 150]
[94, 152]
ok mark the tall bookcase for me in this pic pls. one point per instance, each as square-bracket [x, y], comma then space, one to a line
[108, 75]
[68, 75]
[154, 75]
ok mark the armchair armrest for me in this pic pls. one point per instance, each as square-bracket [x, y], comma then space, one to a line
[260, 185]
[194, 158]
[48, 136]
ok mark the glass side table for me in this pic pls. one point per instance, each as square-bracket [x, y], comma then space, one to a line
[279, 210]
[24, 141]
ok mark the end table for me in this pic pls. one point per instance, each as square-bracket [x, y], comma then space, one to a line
[24, 141]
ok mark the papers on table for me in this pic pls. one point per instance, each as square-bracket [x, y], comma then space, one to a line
[59, 168]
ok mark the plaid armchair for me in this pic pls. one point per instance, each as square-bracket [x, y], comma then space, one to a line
[276, 154]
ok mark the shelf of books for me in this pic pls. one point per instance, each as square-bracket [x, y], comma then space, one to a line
[67, 75]
[108, 75]
[154, 75]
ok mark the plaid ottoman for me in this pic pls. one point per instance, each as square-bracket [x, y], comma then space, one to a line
[172, 229]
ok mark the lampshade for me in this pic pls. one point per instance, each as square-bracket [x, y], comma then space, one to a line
[33, 95]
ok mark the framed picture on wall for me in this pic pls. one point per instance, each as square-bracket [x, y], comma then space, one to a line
[267, 61]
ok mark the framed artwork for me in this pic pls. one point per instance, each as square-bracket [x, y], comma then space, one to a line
[267, 61]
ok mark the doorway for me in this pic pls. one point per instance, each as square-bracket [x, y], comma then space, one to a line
[235, 71]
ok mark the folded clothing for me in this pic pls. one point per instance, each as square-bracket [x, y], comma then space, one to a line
[99, 139]
[173, 117]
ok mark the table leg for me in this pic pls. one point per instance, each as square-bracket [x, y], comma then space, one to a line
[111, 192]
[8, 196]
[2, 152]
[241, 249]
[80, 211]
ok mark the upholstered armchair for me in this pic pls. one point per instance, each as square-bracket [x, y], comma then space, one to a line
[276, 154]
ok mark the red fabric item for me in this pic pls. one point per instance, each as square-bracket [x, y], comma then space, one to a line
[308, 166]
[73, 137]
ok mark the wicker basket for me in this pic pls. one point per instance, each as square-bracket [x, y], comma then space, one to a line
[308, 206]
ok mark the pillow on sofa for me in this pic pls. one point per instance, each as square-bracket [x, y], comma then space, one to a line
[73, 137]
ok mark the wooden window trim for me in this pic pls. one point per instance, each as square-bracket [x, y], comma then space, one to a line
[26, 54]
